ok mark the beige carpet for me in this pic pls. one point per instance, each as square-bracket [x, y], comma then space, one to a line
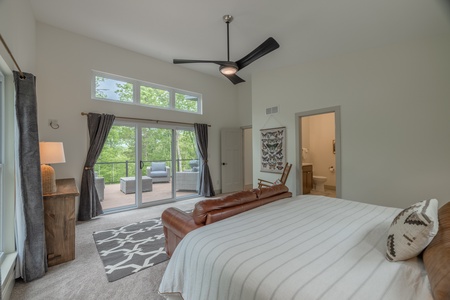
[84, 277]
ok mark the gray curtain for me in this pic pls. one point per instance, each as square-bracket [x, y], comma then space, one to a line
[205, 187]
[32, 253]
[99, 126]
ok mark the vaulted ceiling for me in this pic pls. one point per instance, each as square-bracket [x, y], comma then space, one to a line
[306, 30]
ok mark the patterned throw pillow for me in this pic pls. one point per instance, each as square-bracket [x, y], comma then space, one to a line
[412, 230]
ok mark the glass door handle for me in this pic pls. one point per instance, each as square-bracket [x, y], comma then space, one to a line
[141, 164]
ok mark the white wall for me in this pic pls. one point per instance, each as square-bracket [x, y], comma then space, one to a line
[18, 28]
[65, 61]
[244, 103]
[245, 119]
[395, 117]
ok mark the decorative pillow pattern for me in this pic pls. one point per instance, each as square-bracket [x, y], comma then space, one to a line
[412, 230]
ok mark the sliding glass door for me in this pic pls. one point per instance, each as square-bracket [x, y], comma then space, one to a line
[143, 164]
[156, 164]
[187, 163]
[115, 169]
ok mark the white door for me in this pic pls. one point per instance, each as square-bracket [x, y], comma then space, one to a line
[232, 162]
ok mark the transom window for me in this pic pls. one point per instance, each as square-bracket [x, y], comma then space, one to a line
[127, 90]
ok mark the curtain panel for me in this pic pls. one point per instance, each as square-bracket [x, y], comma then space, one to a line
[30, 233]
[99, 126]
[205, 185]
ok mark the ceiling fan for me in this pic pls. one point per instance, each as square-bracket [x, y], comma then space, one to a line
[229, 68]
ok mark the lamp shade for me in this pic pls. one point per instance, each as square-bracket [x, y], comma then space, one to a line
[52, 152]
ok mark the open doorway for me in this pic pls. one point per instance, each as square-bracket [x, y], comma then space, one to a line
[318, 152]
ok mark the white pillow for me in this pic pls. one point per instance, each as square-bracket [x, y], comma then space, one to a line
[412, 230]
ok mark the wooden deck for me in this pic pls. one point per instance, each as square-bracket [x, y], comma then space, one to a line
[114, 198]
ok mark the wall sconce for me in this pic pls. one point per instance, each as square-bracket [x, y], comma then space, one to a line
[50, 153]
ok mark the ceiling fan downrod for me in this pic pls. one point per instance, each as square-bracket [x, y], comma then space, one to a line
[227, 19]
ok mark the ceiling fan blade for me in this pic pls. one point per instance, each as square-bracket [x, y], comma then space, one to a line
[189, 61]
[268, 46]
[234, 78]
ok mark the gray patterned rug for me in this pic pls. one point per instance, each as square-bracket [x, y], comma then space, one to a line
[129, 249]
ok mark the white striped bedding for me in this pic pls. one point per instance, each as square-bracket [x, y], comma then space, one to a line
[306, 247]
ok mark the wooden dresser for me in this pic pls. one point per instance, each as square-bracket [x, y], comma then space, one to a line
[59, 209]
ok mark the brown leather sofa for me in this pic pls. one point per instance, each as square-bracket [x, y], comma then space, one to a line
[178, 223]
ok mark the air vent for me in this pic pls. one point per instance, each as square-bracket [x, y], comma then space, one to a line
[272, 110]
[275, 109]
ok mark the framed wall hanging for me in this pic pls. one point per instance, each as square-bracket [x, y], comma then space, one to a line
[273, 149]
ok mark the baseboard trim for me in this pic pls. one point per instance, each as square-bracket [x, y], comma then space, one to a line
[248, 187]
[8, 278]
[330, 187]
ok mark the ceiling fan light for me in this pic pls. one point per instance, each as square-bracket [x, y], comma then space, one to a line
[228, 70]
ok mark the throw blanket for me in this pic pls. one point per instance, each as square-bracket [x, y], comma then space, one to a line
[309, 247]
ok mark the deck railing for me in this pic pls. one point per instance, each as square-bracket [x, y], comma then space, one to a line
[113, 171]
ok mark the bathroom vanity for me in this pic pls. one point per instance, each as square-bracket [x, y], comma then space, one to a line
[307, 176]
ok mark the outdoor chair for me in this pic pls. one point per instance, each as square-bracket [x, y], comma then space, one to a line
[159, 172]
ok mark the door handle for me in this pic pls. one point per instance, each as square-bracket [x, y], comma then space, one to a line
[224, 164]
[141, 164]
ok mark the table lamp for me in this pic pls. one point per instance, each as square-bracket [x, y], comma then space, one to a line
[50, 153]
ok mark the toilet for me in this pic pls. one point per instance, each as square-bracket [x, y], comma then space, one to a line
[319, 182]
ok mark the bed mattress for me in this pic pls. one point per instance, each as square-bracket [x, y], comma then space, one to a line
[306, 247]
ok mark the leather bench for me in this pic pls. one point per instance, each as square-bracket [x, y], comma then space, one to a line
[177, 223]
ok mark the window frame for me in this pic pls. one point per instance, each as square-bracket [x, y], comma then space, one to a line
[137, 95]
[7, 202]
[2, 159]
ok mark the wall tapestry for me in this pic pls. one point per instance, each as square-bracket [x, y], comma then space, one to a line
[273, 149]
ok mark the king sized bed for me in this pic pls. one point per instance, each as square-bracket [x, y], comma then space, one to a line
[306, 247]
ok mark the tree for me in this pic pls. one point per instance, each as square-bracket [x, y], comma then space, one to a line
[99, 93]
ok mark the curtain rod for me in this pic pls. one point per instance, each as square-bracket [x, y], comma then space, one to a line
[22, 76]
[151, 120]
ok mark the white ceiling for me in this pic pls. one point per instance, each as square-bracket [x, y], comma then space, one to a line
[306, 30]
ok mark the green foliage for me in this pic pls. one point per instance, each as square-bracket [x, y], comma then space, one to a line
[187, 103]
[119, 151]
[187, 148]
[155, 97]
[98, 92]
[147, 95]
[124, 91]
